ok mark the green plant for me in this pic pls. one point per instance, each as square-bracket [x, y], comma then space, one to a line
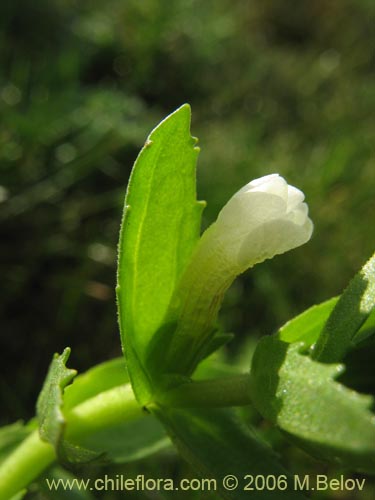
[170, 287]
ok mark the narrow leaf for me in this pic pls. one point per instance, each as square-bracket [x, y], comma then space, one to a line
[50, 401]
[307, 326]
[351, 311]
[160, 227]
[50, 412]
[302, 397]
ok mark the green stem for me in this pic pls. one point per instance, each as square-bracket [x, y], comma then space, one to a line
[33, 455]
[107, 409]
[226, 391]
[26, 462]
[102, 411]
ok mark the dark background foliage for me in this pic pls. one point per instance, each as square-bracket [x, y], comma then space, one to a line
[274, 86]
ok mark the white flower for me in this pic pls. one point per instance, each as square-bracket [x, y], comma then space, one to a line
[265, 218]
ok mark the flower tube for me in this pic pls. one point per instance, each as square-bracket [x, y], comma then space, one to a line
[265, 218]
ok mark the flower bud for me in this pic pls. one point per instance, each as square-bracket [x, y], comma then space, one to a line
[265, 218]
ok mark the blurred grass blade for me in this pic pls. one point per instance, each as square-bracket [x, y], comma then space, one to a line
[216, 445]
[160, 227]
[349, 314]
[302, 397]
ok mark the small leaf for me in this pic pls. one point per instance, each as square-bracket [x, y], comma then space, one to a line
[160, 227]
[302, 397]
[119, 443]
[307, 326]
[50, 401]
[50, 412]
[351, 311]
[215, 444]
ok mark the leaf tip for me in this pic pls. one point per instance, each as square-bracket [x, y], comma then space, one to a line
[184, 114]
[186, 107]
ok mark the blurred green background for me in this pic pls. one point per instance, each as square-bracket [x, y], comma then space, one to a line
[275, 86]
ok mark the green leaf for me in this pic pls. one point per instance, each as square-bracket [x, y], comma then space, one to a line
[351, 311]
[121, 443]
[49, 405]
[160, 227]
[215, 444]
[302, 397]
[308, 325]
[98, 379]
[50, 412]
